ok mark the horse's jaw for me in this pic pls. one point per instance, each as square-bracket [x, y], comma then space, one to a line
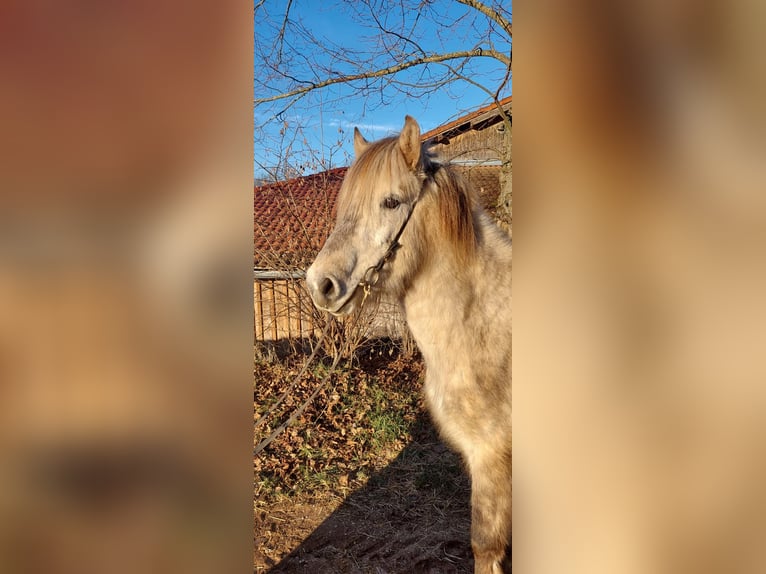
[345, 309]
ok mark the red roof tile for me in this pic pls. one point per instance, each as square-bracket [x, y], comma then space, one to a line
[293, 218]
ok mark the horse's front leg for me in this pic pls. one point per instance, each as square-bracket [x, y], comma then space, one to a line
[491, 514]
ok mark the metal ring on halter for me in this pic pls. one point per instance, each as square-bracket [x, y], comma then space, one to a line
[371, 277]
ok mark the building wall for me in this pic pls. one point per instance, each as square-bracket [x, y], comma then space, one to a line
[485, 144]
[505, 200]
[491, 143]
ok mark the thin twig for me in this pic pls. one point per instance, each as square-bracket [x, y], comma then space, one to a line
[279, 401]
[297, 412]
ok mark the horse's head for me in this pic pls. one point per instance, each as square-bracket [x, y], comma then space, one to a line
[374, 204]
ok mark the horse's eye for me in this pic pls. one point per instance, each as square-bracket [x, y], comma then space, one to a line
[391, 202]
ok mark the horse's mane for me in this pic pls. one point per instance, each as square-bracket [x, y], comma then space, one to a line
[454, 197]
[456, 206]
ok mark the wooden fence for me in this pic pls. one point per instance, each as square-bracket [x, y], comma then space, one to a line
[282, 307]
[283, 310]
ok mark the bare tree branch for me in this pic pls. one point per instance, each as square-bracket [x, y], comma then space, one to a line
[491, 14]
[400, 50]
[344, 79]
[285, 20]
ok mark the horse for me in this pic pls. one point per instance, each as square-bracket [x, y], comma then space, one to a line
[410, 228]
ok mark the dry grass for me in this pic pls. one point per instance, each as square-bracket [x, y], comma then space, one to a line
[362, 482]
[366, 411]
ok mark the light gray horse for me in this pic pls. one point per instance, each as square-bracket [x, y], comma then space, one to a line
[410, 228]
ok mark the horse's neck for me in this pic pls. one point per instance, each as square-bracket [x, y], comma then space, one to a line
[443, 301]
[433, 306]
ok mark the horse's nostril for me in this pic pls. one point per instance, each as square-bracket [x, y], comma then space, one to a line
[327, 287]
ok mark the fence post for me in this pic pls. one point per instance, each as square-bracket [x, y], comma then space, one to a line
[260, 309]
[298, 290]
[287, 306]
[274, 318]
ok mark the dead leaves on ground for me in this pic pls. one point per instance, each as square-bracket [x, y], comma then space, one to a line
[362, 417]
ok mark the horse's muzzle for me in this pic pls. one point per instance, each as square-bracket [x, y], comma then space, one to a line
[327, 291]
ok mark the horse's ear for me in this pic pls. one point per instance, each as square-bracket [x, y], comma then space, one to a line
[409, 142]
[360, 144]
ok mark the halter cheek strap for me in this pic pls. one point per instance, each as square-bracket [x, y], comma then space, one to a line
[372, 275]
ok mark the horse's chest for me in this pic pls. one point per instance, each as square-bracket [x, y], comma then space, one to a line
[459, 375]
[454, 405]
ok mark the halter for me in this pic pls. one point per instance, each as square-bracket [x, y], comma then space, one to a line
[372, 275]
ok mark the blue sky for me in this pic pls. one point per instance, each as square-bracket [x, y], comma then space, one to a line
[325, 119]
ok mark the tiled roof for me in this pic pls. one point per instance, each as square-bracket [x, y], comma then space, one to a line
[462, 123]
[293, 218]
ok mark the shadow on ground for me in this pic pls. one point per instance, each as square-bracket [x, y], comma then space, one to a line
[413, 517]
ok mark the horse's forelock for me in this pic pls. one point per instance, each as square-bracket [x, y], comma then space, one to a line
[380, 160]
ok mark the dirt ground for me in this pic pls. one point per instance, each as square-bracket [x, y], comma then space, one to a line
[411, 518]
[361, 483]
